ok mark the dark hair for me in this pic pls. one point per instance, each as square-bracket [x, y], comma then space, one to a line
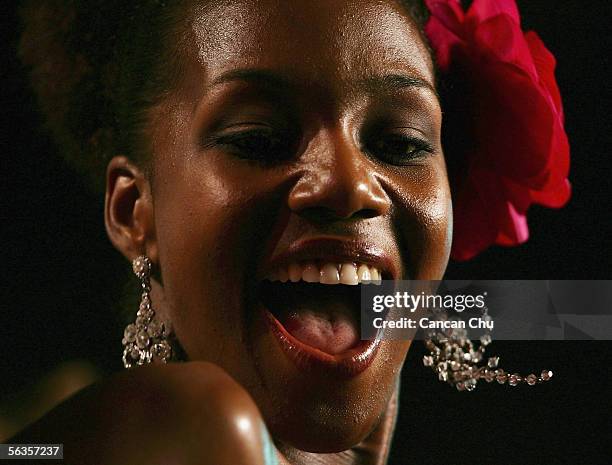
[97, 66]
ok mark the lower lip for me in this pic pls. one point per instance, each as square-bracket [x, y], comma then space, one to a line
[307, 358]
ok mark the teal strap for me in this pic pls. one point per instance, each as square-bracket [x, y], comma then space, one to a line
[269, 451]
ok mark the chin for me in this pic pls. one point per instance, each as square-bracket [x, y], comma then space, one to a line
[327, 425]
[315, 409]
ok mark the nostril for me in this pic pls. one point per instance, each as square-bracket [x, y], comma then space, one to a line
[319, 215]
[327, 215]
[365, 213]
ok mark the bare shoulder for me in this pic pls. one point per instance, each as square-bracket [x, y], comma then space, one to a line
[188, 413]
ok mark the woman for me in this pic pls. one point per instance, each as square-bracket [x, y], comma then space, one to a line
[264, 157]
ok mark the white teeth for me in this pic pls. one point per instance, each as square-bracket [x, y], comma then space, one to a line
[348, 274]
[328, 273]
[310, 273]
[363, 273]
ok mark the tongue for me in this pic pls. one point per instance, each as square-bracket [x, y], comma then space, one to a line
[321, 316]
[332, 336]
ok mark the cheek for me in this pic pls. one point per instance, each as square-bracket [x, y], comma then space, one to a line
[208, 219]
[192, 264]
[425, 219]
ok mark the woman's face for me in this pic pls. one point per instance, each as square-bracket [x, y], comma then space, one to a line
[303, 136]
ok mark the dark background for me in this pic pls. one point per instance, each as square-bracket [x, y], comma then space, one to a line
[60, 279]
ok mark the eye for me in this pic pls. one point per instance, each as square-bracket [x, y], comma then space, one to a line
[264, 144]
[397, 149]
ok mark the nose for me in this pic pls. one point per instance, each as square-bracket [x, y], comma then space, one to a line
[338, 182]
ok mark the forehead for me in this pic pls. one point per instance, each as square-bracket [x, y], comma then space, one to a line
[315, 40]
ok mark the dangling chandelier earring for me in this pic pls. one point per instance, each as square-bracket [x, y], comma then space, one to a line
[456, 360]
[146, 340]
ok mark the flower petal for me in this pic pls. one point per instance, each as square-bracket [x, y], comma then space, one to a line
[501, 39]
[510, 116]
[545, 64]
[482, 10]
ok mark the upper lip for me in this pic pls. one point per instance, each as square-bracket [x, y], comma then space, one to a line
[335, 250]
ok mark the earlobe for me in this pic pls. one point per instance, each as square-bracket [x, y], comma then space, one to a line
[128, 210]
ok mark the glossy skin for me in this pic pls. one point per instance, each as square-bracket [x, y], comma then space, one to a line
[192, 413]
[210, 218]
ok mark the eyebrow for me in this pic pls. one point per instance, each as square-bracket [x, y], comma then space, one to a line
[391, 82]
[372, 84]
[261, 76]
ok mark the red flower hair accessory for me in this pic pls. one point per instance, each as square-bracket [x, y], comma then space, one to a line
[506, 122]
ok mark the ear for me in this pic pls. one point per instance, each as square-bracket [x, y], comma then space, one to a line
[128, 210]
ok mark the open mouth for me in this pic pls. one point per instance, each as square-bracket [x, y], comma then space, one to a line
[314, 310]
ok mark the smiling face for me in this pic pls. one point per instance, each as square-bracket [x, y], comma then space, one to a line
[302, 143]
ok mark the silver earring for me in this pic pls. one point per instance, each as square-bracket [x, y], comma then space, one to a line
[455, 359]
[145, 340]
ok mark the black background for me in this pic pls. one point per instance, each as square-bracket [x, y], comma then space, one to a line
[60, 279]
